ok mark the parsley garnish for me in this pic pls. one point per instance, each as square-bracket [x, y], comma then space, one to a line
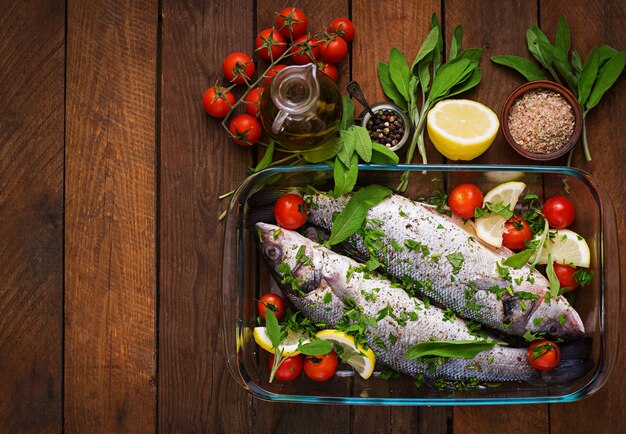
[456, 260]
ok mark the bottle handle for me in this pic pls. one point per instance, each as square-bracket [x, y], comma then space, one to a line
[277, 125]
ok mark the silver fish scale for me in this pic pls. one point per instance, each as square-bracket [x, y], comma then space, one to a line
[405, 221]
[408, 320]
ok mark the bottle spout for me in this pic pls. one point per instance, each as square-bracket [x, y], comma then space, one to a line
[295, 89]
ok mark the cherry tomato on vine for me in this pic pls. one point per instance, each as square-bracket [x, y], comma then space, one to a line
[292, 22]
[565, 274]
[559, 211]
[289, 369]
[238, 67]
[252, 101]
[334, 49]
[246, 130]
[464, 199]
[300, 54]
[329, 69]
[273, 302]
[544, 354]
[290, 211]
[342, 27]
[270, 44]
[516, 233]
[272, 72]
[321, 368]
[217, 101]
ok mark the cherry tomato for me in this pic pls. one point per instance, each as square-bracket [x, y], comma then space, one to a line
[329, 69]
[302, 55]
[544, 354]
[252, 101]
[246, 130]
[565, 274]
[292, 23]
[342, 27]
[270, 44]
[289, 369]
[273, 302]
[272, 72]
[334, 49]
[321, 368]
[464, 199]
[290, 211]
[238, 68]
[217, 101]
[559, 211]
[516, 233]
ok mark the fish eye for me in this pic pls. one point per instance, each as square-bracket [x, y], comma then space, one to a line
[552, 330]
[272, 252]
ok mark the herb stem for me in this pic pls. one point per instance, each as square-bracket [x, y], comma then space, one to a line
[584, 138]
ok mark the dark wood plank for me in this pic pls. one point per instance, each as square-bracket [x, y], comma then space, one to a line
[32, 76]
[594, 24]
[197, 163]
[497, 30]
[110, 217]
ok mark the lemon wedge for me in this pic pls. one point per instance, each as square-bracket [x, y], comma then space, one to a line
[491, 227]
[361, 359]
[567, 247]
[289, 346]
[462, 129]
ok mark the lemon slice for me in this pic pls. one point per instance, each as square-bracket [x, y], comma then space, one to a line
[359, 358]
[462, 129]
[289, 345]
[567, 247]
[491, 227]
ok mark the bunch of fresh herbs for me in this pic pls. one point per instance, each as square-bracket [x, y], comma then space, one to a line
[588, 81]
[430, 78]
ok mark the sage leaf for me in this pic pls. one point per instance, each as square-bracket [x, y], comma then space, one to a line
[349, 142]
[272, 327]
[562, 40]
[316, 348]
[363, 143]
[519, 259]
[267, 157]
[554, 281]
[588, 77]
[323, 152]
[577, 62]
[529, 70]
[472, 54]
[459, 349]
[609, 74]
[352, 217]
[383, 155]
[447, 76]
[345, 176]
[439, 47]
[347, 117]
[388, 87]
[423, 70]
[399, 71]
[429, 44]
[467, 84]
[455, 45]
[541, 52]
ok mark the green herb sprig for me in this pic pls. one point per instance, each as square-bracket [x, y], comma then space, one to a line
[430, 78]
[462, 349]
[588, 81]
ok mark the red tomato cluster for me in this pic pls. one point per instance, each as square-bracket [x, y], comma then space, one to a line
[286, 40]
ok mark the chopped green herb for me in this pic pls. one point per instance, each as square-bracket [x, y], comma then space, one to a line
[456, 260]
[392, 338]
[561, 319]
[440, 201]
[537, 322]
[388, 374]
[449, 315]
[328, 297]
[440, 226]
[397, 247]
[503, 271]
[583, 277]
[302, 258]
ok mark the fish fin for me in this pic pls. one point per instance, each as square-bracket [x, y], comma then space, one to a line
[575, 362]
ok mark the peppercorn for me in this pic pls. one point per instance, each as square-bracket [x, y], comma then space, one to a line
[386, 127]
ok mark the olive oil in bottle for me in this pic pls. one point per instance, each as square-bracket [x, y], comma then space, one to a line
[301, 108]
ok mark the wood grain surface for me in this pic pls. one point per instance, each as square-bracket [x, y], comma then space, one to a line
[110, 216]
[110, 172]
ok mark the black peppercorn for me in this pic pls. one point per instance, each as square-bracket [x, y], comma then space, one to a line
[386, 127]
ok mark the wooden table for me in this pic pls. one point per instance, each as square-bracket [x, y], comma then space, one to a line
[110, 248]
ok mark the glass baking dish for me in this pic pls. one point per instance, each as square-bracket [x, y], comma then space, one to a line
[245, 278]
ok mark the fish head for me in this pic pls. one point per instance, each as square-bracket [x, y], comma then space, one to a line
[296, 263]
[556, 318]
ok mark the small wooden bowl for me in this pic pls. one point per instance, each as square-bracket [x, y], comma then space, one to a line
[541, 84]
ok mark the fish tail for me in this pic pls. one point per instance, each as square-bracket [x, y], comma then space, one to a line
[575, 363]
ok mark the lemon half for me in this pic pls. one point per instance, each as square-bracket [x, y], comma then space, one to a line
[289, 346]
[361, 359]
[462, 129]
[491, 227]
